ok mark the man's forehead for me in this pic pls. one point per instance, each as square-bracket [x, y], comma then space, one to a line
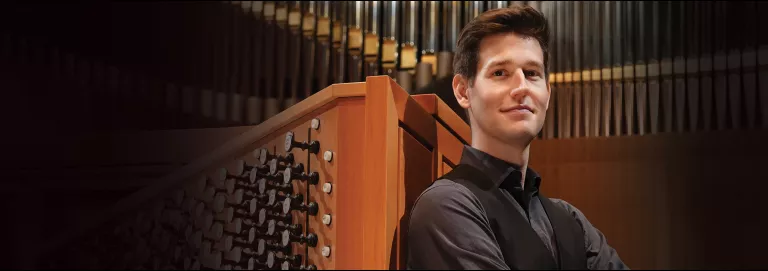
[509, 48]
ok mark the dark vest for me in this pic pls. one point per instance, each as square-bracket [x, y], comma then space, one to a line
[520, 245]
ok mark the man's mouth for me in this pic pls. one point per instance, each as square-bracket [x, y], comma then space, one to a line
[517, 108]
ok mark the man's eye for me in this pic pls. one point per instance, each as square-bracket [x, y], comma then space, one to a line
[498, 73]
[530, 73]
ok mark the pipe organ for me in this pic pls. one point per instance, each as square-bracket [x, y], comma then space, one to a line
[342, 129]
[616, 68]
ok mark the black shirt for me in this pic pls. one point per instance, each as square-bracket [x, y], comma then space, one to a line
[450, 230]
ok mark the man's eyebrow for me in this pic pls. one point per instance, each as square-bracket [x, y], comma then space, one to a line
[527, 63]
[534, 63]
[499, 62]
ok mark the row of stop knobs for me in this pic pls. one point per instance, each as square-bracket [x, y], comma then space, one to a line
[271, 232]
[267, 174]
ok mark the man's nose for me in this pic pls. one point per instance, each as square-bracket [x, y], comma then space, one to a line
[519, 84]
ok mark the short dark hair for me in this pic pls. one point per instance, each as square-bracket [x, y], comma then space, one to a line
[522, 20]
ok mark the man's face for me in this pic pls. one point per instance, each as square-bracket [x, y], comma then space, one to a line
[509, 98]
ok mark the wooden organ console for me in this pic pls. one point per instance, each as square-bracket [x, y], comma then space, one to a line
[326, 184]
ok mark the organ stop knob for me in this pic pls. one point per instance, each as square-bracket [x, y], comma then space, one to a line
[263, 155]
[295, 174]
[259, 172]
[263, 184]
[241, 167]
[289, 261]
[264, 215]
[310, 209]
[243, 239]
[287, 159]
[291, 171]
[273, 246]
[309, 239]
[261, 261]
[313, 147]
[224, 174]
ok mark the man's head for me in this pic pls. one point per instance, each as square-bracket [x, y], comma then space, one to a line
[500, 77]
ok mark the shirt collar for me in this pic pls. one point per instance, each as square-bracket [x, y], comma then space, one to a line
[499, 171]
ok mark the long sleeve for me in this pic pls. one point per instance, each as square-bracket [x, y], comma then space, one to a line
[600, 255]
[449, 230]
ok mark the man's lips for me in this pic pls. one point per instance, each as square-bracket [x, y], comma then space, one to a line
[517, 108]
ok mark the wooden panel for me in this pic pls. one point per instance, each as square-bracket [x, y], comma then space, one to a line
[413, 179]
[652, 196]
[348, 185]
[380, 169]
[411, 113]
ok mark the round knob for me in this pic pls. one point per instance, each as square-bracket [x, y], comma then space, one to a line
[311, 240]
[223, 174]
[326, 251]
[270, 259]
[262, 155]
[261, 247]
[253, 206]
[327, 219]
[240, 167]
[289, 173]
[327, 188]
[315, 124]
[288, 141]
[219, 202]
[312, 208]
[328, 156]
[273, 166]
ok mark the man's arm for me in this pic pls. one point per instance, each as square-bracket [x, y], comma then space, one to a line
[600, 255]
[449, 230]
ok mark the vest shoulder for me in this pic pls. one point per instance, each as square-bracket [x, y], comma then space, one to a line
[443, 189]
[445, 197]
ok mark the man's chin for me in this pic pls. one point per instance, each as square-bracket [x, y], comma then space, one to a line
[518, 134]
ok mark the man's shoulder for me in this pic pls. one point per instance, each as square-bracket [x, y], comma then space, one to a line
[445, 189]
[446, 194]
[443, 203]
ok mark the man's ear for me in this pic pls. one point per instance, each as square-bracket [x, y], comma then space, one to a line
[461, 90]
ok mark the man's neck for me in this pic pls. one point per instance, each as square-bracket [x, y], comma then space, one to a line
[512, 153]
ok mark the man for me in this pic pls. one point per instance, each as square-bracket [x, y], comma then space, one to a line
[488, 213]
